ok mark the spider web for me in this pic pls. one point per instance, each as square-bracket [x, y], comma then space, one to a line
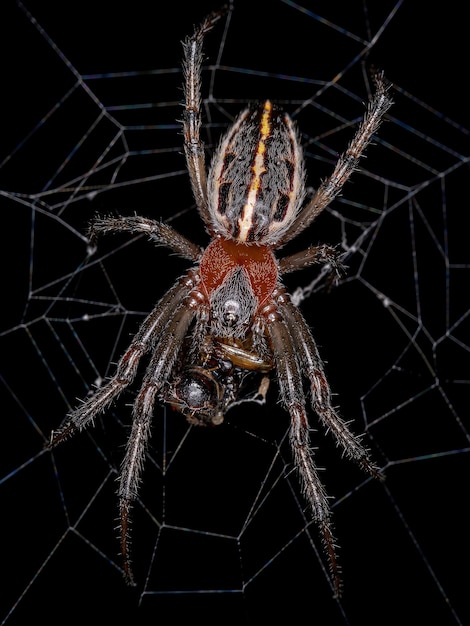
[90, 108]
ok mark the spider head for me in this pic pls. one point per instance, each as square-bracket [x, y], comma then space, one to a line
[233, 305]
[236, 279]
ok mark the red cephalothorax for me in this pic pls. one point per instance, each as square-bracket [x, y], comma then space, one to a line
[217, 335]
[225, 257]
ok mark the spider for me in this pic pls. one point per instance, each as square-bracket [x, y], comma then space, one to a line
[229, 319]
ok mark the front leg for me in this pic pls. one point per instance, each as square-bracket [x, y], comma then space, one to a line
[158, 372]
[311, 361]
[293, 398]
[145, 339]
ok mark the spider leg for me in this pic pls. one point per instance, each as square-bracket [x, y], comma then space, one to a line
[193, 145]
[347, 162]
[321, 395]
[126, 368]
[290, 383]
[158, 372]
[326, 255]
[158, 232]
[311, 256]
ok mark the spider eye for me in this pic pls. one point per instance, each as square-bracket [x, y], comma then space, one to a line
[233, 305]
[231, 312]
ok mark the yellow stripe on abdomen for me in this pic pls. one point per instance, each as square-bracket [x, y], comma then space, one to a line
[246, 220]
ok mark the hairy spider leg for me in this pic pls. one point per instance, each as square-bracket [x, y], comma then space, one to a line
[126, 369]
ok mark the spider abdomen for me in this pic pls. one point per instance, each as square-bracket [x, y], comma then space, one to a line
[256, 182]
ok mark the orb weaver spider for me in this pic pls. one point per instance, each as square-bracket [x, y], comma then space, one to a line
[230, 317]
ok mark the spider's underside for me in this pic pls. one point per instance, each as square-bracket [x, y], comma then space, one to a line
[229, 319]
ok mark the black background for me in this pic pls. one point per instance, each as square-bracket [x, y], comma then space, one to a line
[396, 569]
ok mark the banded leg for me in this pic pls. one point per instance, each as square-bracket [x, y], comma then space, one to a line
[325, 255]
[157, 374]
[290, 383]
[307, 352]
[347, 163]
[314, 255]
[193, 145]
[159, 233]
[126, 369]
